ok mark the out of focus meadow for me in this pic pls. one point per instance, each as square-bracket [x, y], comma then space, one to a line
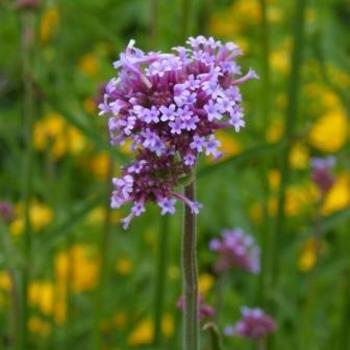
[91, 285]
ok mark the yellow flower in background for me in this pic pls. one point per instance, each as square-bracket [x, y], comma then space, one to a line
[247, 12]
[143, 332]
[40, 217]
[298, 197]
[98, 216]
[308, 257]
[89, 64]
[205, 283]
[274, 14]
[76, 267]
[99, 165]
[5, 281]
[168, 325]
[338, 197]
[330, 132]
[37, 325]
[279, 60]
[89, 106]
[42, 295]
[275, 131]
[229, 146]
[299, 157]
[222, 25]
[274, 177]
[123, 266]
[48, 24]
[53, 133]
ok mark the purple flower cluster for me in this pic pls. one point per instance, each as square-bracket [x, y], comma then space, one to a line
[321, 173]
[170, 105]
[236, 249]
[6, 211]
[204, 309]
[255, 324]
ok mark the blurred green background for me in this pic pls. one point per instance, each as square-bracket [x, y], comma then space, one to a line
[70, 277]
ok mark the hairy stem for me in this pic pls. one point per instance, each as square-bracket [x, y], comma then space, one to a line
[162, 262]
[190, 276]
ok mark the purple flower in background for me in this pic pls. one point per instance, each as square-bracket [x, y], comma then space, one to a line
[321, 173]
[236, 250]
[255, 324]
[204, 310]
[6, 211]
[170, 105]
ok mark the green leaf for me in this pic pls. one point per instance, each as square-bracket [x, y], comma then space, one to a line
[255, 152]
[64, 228]
[215, 338]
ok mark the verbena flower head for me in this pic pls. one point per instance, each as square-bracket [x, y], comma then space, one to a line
[255, 324]
[236, 250]
[204, 310]
[321, 173]
[171, 104]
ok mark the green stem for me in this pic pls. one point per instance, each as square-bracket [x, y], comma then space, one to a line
[190, 276]
[265, 104]
[104, 244]
[28, 106]
[162, 263]
[290, 125]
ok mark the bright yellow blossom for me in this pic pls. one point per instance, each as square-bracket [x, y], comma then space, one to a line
[339, 196]
[205, 283]
[77, 268]
[48, 24]
[99, 165]
[40, 216]
[330, 132]
[42, 295]
[53, 133]
[5, 281]
[299, 156]
[274, 177]
[143, 333]
[89, 64]
[308, 257]
[275, 131]
[279, 60]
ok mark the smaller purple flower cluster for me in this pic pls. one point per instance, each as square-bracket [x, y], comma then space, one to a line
[6, 212]
[204, 310]
[169, 106]
[236, 249]
[321, 173]
[255, 324]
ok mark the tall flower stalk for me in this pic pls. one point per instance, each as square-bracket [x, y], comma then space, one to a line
[27, 43]
[190, 275]
[170, 106]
